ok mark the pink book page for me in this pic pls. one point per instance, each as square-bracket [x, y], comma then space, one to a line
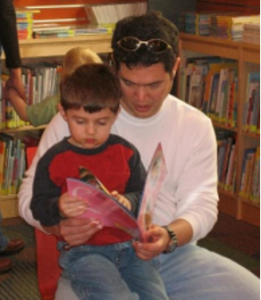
[156, 174]
[108, 210]
[103, 207]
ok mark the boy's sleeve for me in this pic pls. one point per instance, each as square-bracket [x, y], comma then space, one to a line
[44, 204]
[136, 181]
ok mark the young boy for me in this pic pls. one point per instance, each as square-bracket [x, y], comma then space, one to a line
[42, 113]
[106, 266]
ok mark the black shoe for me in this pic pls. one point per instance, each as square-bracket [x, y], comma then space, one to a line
[13, 246]
[5, 265]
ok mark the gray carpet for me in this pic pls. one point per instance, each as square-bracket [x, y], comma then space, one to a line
[21, 282]
[235, 239]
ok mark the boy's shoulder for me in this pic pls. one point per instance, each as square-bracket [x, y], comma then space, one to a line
[116, 139]
[55, 149]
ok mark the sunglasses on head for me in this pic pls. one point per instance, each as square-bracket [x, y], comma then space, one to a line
[131, 43]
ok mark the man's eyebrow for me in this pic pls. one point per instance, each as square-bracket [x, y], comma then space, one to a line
[146, 84]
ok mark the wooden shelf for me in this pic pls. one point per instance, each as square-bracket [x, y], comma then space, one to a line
[33, 48]
[8, 206]
[247, 57]
[37, 48]
[228, 203]
[59, 46]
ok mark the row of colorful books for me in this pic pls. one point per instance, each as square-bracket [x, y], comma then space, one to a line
[25, 22]
[226, 26]
[250, 179]
[226, 141]
[112, 13]
[99, 19]
[251, 116]
[40, 81]
[13, 161]
[251, 33]
[210, 84]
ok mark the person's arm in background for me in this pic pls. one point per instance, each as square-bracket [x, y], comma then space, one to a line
[37, 114]
[9, 42]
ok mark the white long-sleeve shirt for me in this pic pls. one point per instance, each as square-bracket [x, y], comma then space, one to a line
[189, 190]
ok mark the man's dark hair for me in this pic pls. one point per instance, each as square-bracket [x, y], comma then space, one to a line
[91, 86]
[151, 25]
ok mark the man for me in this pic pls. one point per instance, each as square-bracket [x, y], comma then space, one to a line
[9, 41]
[145, 51]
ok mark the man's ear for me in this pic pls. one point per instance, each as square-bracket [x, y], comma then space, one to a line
[62, 112]
[119, 110]
[113, 64]
[175, 67]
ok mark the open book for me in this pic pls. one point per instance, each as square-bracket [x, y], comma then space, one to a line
[108, 210]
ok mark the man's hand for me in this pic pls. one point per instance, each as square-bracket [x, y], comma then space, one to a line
[157, 240]
[77, 231]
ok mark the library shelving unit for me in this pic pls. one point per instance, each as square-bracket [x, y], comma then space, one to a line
[41, 49]
[61, 12]
[247, 57]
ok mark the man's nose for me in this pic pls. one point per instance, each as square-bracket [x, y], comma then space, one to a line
[140, 93]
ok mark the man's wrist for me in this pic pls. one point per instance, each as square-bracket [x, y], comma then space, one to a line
[173, 241]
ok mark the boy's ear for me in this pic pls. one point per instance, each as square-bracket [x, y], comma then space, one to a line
[62, 112]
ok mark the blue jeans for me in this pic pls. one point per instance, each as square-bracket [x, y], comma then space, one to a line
[192, 272]
[110, 272]
[3, 239]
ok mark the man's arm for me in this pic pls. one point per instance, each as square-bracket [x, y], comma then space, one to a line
[54, 132]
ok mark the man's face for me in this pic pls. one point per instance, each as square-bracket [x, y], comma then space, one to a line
[144, 89]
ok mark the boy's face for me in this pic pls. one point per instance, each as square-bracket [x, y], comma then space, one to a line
[144, 88]
[88, 130]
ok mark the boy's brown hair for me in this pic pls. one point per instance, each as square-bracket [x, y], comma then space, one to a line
[91, 86]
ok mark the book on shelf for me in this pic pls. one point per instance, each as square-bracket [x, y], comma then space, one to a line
[252, 103]
[210, 84]
[12, 162]
[102, 206]
[255, 179]
[247, 172]
[110, 14]
[226, 141]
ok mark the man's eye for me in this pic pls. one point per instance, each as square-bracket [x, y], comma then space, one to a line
[128, 83]
[154, 85]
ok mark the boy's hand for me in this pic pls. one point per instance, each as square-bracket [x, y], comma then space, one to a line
[70, 206]
[124, 201]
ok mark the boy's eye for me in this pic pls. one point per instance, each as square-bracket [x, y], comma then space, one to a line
[80, 122]
[102, 123]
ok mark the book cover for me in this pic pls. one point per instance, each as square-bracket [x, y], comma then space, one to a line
[108, 210]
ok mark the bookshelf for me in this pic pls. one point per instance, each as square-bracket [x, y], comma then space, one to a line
[42, 49]
[61, 12]
[247, 58]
